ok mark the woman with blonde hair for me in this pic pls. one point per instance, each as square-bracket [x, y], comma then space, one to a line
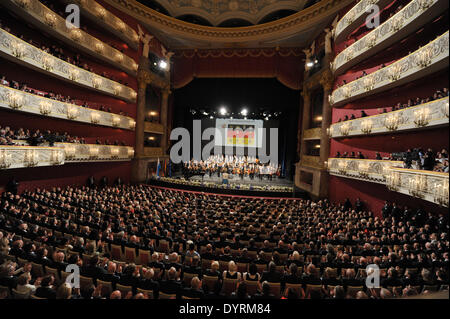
[232, 272]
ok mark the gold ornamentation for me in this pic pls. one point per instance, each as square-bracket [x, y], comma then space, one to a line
[422, 117]
[16, 100]
[5, 159]
[45, 107]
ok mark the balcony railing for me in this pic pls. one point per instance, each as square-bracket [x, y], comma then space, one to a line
[407, 20]
[30, 156]
[31, 103]
[41, 16]
[427, 185]
[355, 17]
[362, 169]
[108, 20]
[420, 63]
[95, 153]
[20, 51]
[156, 128]
[311, 161]
[312, 134]
[427, 115]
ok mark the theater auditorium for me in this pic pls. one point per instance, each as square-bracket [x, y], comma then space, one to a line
[234, 150]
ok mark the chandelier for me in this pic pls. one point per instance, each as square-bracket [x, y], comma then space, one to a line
[74, 74]
[45, 107]
[48, 63]
[342, 167]
[394, 72]
[422, 117]
[369, 83]
[363, 168]
[392, 121]
[96, 82]
[50, 19]
[95, 117]
[366, 126]
[117, 89]
[69, 151]
[114, 152]
[418, 185]
[17, 49]
[93, 151]
[72, 112]
[76, 35]
[423, 58]
[349, 54]
[441, 193]
[101, 13]
[56, 157]
[5, 159]
[31, 158]
[345, 128]
[16, 100]
[393, 180]
[115, 121]
[99, 47]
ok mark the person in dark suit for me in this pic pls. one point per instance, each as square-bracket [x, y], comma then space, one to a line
[271, 275]
[171, 286]
[148, 283]
[46, 290]
[195, 291]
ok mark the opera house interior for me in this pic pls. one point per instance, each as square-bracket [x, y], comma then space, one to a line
[233, 150]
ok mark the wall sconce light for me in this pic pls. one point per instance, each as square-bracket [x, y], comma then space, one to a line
[17, 49]
[93, 151]
[31, 158]
[345, 128]
[56, 157]
[47, 62]
[117, 89]
[69, 151]
[74, 74]
[392, 121]
[95, 117]
[5, 159]
[424, 57]
[96, 82]
[366, 126]
[422, 117]
[369, 82]
[50, 19]
[101, 13]
[99, 47]
[45, 107]
[394, 72]
[76, 34]
[16, 100]
[115, 121]
[72, 112]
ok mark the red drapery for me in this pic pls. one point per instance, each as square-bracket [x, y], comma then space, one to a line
[284, 64]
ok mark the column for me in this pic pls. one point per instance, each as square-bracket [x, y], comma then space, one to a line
[327, 84]
[306, 118]
[164, 115]
[138, 171]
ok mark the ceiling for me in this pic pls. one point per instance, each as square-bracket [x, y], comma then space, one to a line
[217, 24]
[227, 13]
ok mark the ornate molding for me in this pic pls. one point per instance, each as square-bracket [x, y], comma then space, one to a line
[426, 185]
[407, 20]
[148, 77]
[14, 99]
[362, 169]
[424, 61]
[44, 18]
[30, 156]
[174, 26]
[37, 59]
[427, 115]
[95, 153]
[108, 20]
[354, 17]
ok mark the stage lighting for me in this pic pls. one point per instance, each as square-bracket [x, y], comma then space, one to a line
[309, 64]
[244, 112]
[223, 111]
[211, 117]
[162, 64]
[266, 118]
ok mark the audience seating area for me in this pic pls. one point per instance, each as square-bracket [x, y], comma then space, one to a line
[143, 242]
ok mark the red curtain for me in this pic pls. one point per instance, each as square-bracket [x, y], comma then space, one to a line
[285, 64]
